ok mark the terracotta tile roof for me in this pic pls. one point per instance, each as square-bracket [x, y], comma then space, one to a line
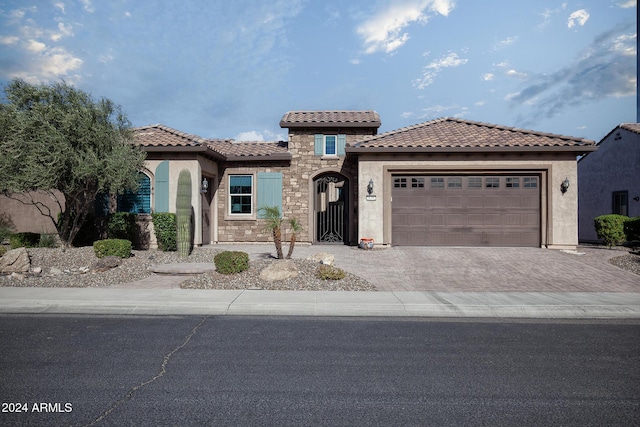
[161, 138]
[633, 127]
[450, 133]
[351, 118]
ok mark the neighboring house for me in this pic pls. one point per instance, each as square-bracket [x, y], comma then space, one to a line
[610, 179]
[444, 182]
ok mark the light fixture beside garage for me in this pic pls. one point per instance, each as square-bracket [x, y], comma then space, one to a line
[204, 186]
[565, 185]
[370, 195]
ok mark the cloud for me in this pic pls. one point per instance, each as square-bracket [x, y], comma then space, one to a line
[505, 43]
[35, 46]
[579, 17]
[627, 4]
[517, 74]
[59, 5]
[606, 68]
[432, 70]
[384, 31]
[87, 6]
[49, 65]
[258, 136]
[8, 40]
[487, 77]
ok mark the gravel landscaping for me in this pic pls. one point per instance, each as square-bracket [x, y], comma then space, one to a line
[73, 261]
[629, 262]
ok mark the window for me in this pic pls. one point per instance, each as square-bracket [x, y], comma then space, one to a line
[475, 182]
[512, 183]
[330, 145]
[139, 201]
[620, 203]
[437, 182]
[492, 182]
[530, 182]
[400, 182]
[240, 194]
[417, 182]
[454, 183]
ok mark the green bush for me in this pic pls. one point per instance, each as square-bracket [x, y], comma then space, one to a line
[3, 250]
[112, 247]
[610, 228]
[122, 225]
[26, 240]
[48, 240]
[230, 262]
[164, 225]
[632, 229]
[329, 272]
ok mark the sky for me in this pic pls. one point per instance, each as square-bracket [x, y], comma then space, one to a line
[232, 69]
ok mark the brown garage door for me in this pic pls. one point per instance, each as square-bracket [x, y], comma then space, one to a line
[487, 210]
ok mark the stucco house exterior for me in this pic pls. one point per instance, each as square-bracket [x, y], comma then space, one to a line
[446, 182]
[610, 179]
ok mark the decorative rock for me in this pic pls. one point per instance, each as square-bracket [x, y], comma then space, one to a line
[279, 270]
[36, 271]
[322, 258]
[54, 271]
[106, 263]
[18, 276]
[83, 270]
[15, 261]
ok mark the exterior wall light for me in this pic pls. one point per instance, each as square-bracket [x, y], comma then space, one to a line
[564, 186]
[204, 186]
[370, 186]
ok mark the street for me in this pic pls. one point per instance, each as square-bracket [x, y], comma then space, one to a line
[197, 370]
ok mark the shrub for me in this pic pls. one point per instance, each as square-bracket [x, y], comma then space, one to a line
[122, 225]
[164, 225]
[3, 250]
[329, 272]
[26, 240]
[48, 240]
[632, 229]
[230, 262]
[610, 228]
[112, 247]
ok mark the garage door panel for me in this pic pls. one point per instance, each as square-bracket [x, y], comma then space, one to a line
[466, 215]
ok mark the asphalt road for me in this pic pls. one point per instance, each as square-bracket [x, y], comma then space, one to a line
[98, 370]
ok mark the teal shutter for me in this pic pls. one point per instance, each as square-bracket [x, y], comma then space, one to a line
[161, 195]
[269, 190]
[342, 142]
[317, 144]
[138, 202]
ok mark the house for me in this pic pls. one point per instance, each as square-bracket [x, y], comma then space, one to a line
[610, 179]
[443, 182]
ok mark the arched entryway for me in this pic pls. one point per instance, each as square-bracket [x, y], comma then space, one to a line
[330, 208]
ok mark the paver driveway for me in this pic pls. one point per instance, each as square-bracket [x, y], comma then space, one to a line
[474, 269]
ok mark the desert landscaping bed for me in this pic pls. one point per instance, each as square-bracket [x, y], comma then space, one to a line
[75, 268]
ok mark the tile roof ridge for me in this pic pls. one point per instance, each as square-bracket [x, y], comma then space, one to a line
[192, 137]
[521, 130]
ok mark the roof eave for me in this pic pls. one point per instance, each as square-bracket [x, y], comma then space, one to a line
[265, 157]
[183, 149]
[299, 125]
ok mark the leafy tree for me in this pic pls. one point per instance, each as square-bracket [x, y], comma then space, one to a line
[295, 228]
[273, 224]
[57, 137]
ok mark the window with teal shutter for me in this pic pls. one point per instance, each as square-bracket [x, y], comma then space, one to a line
[269, 190]
[138, 202]
[161, 195]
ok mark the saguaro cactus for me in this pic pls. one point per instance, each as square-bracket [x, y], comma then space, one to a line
[183, 213]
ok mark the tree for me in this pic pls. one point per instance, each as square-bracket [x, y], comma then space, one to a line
[295, 228]
[56, 137]
[273, 224]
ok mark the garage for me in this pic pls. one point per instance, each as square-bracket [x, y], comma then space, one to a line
[466, 210]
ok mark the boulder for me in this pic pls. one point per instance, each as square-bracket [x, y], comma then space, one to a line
[279, 270]
[322, 258]
[106, 263]
[15, 261]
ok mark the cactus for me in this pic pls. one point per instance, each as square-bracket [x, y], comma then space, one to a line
[183, 214]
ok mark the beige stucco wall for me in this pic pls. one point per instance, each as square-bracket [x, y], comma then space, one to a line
[558, 211]
[27, 217]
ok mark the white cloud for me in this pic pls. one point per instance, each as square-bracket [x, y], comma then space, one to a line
[258, 136]
[385, 30]
[35, 46]
[479, 103]
[487, 77]
[579, 17]
[434, 68]
[7, 40]
[627, 4]
[517, 74]
[63, 31]
[505, 43]
[87, 6]
[60, 6]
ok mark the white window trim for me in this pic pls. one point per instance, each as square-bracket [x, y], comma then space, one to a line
[324, 147]
[241, 216]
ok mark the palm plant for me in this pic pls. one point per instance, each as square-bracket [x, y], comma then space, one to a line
[273, 223]
[295, 228]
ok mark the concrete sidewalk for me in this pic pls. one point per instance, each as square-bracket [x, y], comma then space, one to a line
[540, 305]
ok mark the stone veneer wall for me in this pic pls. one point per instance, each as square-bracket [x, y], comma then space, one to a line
[297, 184]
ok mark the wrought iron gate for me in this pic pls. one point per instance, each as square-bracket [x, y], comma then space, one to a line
[329, 207]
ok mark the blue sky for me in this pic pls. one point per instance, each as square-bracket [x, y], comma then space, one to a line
[231, 69]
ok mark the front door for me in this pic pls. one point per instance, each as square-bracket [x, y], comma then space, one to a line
[330, 202]
[206, 196]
